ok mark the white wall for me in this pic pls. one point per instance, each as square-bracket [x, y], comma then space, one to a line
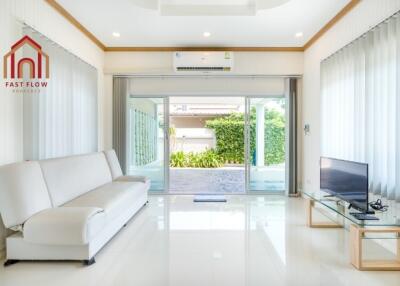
[47, 21]
[362, 18]
[269, 63]
[272, 63]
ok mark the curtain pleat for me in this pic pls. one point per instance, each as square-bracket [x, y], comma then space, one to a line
[121, 88]
[360, 105]
[61, 120]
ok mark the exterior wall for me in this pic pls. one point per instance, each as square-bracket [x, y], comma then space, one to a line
[143, 125]
[188, 122]
[193, 140]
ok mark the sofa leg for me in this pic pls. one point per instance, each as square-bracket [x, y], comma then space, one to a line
[89, 261]
[9, 262]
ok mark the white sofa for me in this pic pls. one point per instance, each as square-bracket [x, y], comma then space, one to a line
[67, 208]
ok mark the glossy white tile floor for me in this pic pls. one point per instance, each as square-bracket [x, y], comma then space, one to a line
[251, 240]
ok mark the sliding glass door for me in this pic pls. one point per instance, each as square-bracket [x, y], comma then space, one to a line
[238, 142]
[147, 139]
[266, 142]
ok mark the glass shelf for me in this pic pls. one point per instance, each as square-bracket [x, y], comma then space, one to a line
[340, 207]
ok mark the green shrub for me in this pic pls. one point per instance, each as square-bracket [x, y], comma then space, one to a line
[274, 138]
[178, 159]
[206, 159]
[229, 132]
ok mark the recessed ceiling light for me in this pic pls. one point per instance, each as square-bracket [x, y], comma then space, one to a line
[206, 34]
[299, 35]
[116, 34]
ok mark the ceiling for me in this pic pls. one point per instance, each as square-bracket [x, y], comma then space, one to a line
[143, 23]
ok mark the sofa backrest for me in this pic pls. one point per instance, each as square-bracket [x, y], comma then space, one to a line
[23, 192]
[70, 177]
[113, 162]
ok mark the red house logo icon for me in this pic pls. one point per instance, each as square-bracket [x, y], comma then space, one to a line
[35, 65]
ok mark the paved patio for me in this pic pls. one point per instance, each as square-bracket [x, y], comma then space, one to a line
[204, 180]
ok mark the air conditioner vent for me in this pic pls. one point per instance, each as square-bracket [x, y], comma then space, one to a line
[203, 68]
[203, 62]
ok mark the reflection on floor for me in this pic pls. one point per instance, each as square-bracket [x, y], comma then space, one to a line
[249, 241]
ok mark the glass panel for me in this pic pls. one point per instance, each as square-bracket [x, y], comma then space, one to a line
[207, 144]
[267, 141]
[388, 218]
[145, 140]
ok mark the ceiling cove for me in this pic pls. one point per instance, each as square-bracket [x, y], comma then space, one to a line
[179, 7]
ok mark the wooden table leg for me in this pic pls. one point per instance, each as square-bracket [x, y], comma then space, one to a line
[398, 246]
[311, 223]
[356, 235]
[310, 205]
[355, 246]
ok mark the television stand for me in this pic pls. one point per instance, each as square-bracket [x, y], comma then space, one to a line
[388, 227]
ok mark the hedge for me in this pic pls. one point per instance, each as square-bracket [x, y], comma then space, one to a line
[229, 132]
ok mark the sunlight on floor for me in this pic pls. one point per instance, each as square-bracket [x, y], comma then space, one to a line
[248, 241]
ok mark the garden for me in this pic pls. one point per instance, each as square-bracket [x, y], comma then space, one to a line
[229, 133]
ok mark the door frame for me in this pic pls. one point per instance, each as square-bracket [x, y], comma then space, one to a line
[247, 146]
[166, 146]
[247, 161]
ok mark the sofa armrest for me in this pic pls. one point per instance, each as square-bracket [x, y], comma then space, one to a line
[64, 225]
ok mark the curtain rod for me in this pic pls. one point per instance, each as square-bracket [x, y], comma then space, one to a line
[396, 14]
[25, 25]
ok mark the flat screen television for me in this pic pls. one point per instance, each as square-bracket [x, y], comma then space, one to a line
[346, 180]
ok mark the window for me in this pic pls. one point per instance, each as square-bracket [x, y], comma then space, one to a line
[360, 105]
[61, 119]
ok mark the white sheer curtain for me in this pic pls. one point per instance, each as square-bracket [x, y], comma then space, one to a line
[61, 119]
[360, 105]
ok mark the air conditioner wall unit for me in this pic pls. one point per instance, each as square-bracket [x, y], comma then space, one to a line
[203, 62]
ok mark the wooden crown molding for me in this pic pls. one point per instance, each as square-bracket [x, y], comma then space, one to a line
[346, 9]
[75, 22]
[203, 49]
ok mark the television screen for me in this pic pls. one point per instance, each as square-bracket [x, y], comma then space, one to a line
[346, 180]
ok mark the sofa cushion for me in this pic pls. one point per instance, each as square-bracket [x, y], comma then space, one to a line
[70, 177]
[114, 198]
[23, 192]
[141, 179]
[64, 226]
[113, 162]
